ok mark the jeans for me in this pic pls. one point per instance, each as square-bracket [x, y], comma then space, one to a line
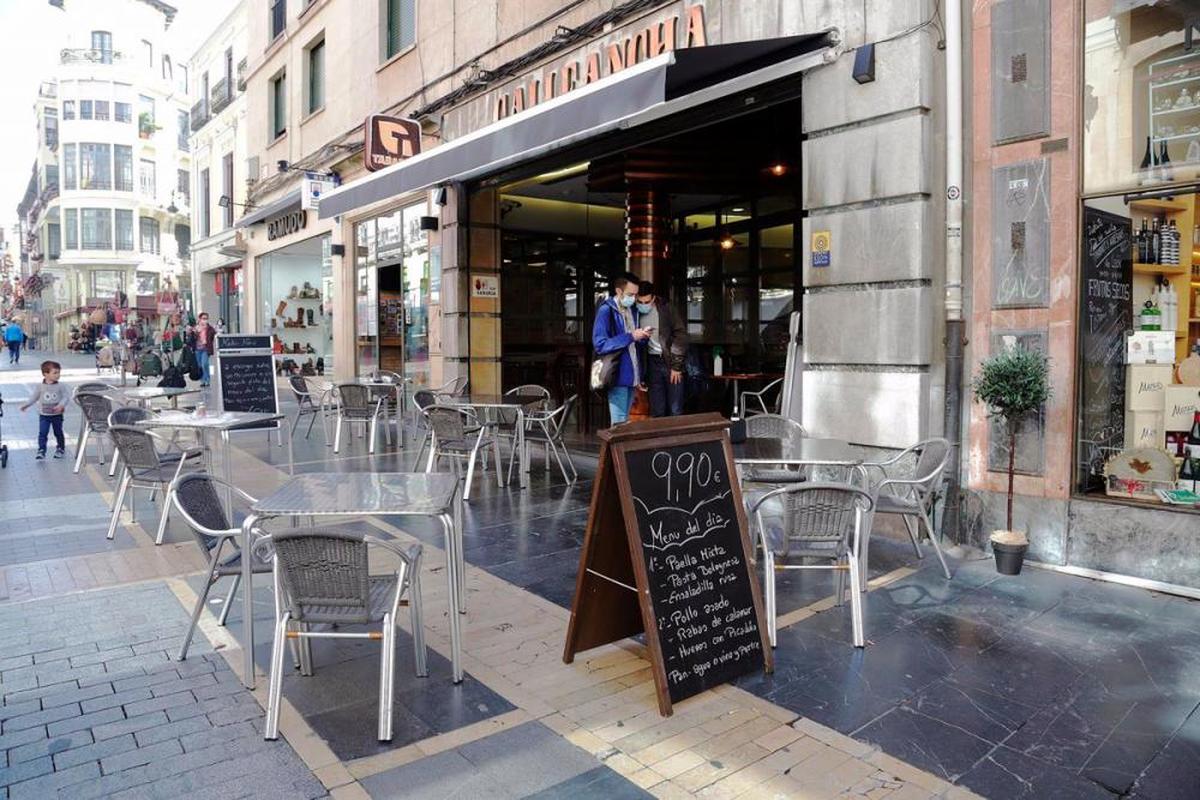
[620, 398]
[14, 352]
[202, 359]
[45, 423]
[666, 398]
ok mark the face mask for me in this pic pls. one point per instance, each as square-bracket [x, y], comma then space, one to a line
[644, 308]
[628, 300]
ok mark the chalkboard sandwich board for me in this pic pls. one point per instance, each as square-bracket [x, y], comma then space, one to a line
[666, 553]
[245, 370]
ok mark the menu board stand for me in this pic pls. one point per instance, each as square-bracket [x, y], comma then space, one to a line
[666, 554]
[244, 369]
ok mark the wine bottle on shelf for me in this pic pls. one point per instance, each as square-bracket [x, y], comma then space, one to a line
[1140, 242]
[1192, 448]
[1155, 244]
[1164, 162]
[1187, 474]
[1147, 163]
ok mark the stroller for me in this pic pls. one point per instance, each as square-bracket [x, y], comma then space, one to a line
[3, 446]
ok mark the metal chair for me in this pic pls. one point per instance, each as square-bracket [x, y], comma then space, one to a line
[755, 403]
[125, 415]
[94, 387]
[357, 407]
[822, 521]
[423, 399]
[322, 577]
[911, 497]
[773, 426]
[546, 428]
[95, 407]
[457, 434]
[533, 398]
[197, 499]
[305, 405]
[146, 468]
[393, 398]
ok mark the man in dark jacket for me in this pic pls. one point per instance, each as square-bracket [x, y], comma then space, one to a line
[666, 351]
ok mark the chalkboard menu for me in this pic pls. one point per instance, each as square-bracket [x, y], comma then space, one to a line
[246, 374]
[666, 553]
[1105, 315]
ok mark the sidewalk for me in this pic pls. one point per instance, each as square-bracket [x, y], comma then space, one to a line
[1039, 686]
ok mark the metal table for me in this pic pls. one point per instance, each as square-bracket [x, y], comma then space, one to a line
[485, 403]
[736, 379]
[796, 451]
[142, 395]
[436, 495]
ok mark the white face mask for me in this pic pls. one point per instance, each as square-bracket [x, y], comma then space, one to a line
[627, 300]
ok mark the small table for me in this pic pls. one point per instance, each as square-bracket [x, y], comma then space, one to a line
[486, 402]
[142, 395]
[419, 494]
[796, 451]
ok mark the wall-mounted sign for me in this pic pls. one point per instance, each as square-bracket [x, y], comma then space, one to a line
[286, 224]
[683, 28]
[822, 248]
[485, 286]
[315, 184]
[389, 140]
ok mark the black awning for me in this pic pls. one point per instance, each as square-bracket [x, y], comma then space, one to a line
[649, 91]
[285, 203]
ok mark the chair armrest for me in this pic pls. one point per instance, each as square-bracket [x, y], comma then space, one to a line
[409, 553]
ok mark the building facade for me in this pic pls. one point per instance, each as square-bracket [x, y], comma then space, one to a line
[106, 214]
[218, 180]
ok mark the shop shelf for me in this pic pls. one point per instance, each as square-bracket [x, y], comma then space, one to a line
[1175, 82]
[1159, 204]
[1160, 269]
[1177, 110]
[1175, 136]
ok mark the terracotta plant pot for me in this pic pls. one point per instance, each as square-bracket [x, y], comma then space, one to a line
[1008, 548]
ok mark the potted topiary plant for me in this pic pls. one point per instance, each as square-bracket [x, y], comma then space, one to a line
[1011, 384]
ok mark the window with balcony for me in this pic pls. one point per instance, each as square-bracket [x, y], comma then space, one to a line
[53, 241]
[148, 226]
[147, 283]
[400, 26]
[227, 188]
[95, 166]
[107, 282]
[278, 18]
[68, 109]
[68, 167]
[85, 109]
[122, 112]
[52, 175]
[183, 185]
[123, 167]
[101, 110]
[229, 70]
[146, 116]
[167, 73]
[102, 44]
[71, 228]
[315, 85]
[183, 240]
[204, 206]
[95, 226]
[50, 128]
[184, 123]
[147, 179]
[124, 229]
[279, 105]
[181, 78]
[148, 51]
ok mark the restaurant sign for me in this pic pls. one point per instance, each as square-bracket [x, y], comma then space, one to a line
[389, 140]
[639, 42]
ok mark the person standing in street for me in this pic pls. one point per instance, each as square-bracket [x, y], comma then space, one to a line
[616, 331]
[666, 351]
[52, 397]
[14, 338]
[206, 336]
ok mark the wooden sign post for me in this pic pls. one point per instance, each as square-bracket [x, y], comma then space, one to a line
[667, 554]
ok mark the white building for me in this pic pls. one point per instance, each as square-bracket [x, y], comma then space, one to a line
[218, 146]
[109, 204]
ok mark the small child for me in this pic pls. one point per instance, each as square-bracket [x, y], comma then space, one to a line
[53, 398]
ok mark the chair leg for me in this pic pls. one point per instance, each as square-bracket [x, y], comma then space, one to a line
[162, 520]
[769, 593]
[421, 449]
[416, 618]
[856, 601]
[337, 435]
[371, 441]
[237, 580]
[82, 450]
[912, 534]
[118, 504]
[200, 601]
[937, 549]
[312, 421]
[304, 652]
[112, 466]
[470, 471]
[385, 678]
[275, 687]
[840, 587]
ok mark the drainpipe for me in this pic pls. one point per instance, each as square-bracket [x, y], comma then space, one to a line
[955, 327]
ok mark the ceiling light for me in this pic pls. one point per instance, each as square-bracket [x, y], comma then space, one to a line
[777, 169]
[727, 242]
[738, 210]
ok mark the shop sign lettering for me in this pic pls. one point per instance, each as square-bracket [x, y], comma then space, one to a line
[486, 287]
[390, 140]
[599, 60]
[287, 224]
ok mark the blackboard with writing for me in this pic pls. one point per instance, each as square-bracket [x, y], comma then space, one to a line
[699, 581]
[248, 383]
[666, 553]
[1105, 316]
[243, 341]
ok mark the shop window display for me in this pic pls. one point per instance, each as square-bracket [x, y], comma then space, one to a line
[295, 284]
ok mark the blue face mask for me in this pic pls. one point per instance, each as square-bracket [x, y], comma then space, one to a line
[628, 300]
[644, 308]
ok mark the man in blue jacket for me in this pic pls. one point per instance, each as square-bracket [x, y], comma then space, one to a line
[14, 337]
[615, 331]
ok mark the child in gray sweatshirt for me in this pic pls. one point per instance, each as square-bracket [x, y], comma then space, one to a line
[52, 397]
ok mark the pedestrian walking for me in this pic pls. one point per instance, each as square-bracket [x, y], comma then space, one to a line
[14, 338]
[666, 351]
[616, 334]
[206, 336]
[51, 397]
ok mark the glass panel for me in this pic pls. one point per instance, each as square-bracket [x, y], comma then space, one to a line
[85, 109]
[69, 166]
[1141, 115]
[295, 287]
[102, 110]
[147, 283]
[735, 254]
[107, 282]
[700, 222]
[70, 229]
[123, 157]
[416, 287]
[96, 228]
[122, 112]
[366, 295]
[316, 77]
[149, 234]
[775, 305]
[124, 229]
[95, 166]
[702, 259]
[774, 204]
[147, 180]
[735, 213]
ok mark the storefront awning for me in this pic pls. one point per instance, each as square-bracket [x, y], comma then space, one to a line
[285, 203]
[666, 85]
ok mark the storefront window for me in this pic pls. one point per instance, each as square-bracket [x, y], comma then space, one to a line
[397, 303]
[1141, 110]
[296, 287]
